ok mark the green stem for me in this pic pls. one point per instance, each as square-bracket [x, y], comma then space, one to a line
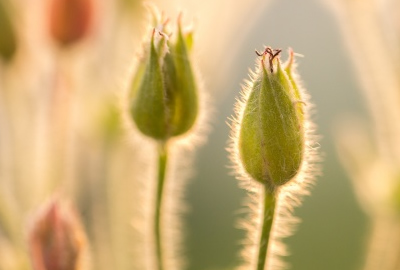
[267, 220]
[10, 224]
[162, 164]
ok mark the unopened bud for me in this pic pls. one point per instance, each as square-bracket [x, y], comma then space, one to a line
[271, 131]
[70, 20]
[56, 239]
[164, 100]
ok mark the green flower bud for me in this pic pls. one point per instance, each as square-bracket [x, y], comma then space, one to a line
[164, 92]
[271, 131]
[8, 40]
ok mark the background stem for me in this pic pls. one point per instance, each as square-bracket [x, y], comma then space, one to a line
[162, 164]
[267, 220]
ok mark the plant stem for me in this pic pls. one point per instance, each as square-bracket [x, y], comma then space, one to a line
[267, 220]
[9, 222]
[162, 164]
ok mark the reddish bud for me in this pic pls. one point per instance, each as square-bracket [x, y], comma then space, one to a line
[56, 240]
[70, 20]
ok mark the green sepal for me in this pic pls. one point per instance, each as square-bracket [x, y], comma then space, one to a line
[180, 86]
[289, 69]
[149, 108]
[189, 40]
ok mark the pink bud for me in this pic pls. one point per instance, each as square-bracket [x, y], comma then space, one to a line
[56, 239]
[70, 20]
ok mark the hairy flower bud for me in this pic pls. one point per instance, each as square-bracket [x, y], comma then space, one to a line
[271, 135]
[8, 41]
[70, 20]
[164, 92]
[56, 240]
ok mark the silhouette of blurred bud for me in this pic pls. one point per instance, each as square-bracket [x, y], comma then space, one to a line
[70, 20]
[8, 40]
[56, 239]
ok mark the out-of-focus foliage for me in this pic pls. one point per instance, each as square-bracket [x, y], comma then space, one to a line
[369, 27]
[8, 36]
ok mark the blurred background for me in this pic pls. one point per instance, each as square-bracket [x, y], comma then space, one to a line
[333, 232]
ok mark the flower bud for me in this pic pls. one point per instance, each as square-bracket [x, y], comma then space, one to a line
[56, 240]
[70, 20]
[8, 41]
[164, 92]
[271, 131]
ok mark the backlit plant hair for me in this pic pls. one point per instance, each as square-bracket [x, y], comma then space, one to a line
[273, 150]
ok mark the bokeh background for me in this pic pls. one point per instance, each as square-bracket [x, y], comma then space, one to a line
[333, 232]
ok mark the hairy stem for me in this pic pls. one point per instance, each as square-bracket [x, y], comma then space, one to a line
[162, 165]
[267, 220]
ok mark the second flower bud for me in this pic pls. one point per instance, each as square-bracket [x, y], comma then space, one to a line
[271, 135]
[164, 92]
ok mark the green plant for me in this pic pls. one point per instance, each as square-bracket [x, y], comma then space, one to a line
[272, 151]
[164, 107]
